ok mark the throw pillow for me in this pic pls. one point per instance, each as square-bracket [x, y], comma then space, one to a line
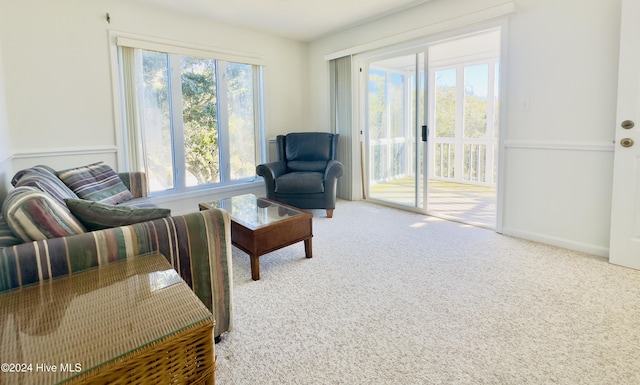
[44, 179]
[96, 215]
[41, 168]
[139, 203]
[33, 215]
[96, 182]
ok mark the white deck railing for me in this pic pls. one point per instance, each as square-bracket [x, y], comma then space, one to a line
[470, 161]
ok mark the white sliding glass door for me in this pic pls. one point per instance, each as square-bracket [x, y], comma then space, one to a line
[396, 113]
[449, 169]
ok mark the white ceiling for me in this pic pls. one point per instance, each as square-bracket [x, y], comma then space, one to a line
[302, 20]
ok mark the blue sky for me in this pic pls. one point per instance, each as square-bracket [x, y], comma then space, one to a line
[476, 79]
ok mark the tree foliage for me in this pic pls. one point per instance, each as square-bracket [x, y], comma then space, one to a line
[445, 112]
[200, 119]
[475, 114]
[200, 87]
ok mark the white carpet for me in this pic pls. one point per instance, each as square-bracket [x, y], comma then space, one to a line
[392, 297]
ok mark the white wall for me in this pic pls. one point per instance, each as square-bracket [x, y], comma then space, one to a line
[567, 73]
[57, 72]
[5, 140]
[560, 108]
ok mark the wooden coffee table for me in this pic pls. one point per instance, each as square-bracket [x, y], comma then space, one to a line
[260, 226]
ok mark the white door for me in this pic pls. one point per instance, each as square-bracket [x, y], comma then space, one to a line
[625, 210]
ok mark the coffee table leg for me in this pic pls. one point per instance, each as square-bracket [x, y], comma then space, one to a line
[307, 248]
[255, 268]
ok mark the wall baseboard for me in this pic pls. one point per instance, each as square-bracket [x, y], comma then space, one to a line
[597, 250]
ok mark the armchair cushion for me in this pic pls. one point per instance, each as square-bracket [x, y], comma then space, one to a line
[308, 146]
[300, 183]
[96, 182]
[96, 215]
[307, 165]
[34, 215]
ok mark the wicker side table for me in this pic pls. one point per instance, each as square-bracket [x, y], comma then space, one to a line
[133, 322]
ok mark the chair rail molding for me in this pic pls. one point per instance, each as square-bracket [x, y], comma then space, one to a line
[605, 146]
[64, 151]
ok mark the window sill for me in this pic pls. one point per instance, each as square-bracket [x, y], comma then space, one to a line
[186, 202]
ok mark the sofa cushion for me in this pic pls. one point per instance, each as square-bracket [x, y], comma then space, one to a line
[300, 183]
[96, 215]
[34, 215]
[44, 179]
[7, 238]
[96, 182]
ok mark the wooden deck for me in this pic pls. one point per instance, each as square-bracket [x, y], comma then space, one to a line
[475, 205]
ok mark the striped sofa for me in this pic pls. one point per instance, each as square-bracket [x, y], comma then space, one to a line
[198, 246]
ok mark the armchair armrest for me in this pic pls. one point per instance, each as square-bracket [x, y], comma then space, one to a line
[270, 171]
[334, 170]
[136, 182]
[198, 246]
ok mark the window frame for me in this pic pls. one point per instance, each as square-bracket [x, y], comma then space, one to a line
[175, 50]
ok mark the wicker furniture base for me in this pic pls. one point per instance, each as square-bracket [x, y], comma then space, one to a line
[184, 358]
[128, 322]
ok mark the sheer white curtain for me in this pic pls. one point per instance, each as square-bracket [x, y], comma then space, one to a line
[131, 64]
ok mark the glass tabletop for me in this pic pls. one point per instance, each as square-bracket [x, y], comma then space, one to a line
[253, 212]
[54, 331]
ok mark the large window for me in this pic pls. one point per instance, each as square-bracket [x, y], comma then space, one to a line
[190, 122]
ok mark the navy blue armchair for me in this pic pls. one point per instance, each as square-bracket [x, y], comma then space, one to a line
[306, 172]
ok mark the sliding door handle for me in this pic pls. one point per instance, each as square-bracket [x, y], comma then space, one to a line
[425, 133]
